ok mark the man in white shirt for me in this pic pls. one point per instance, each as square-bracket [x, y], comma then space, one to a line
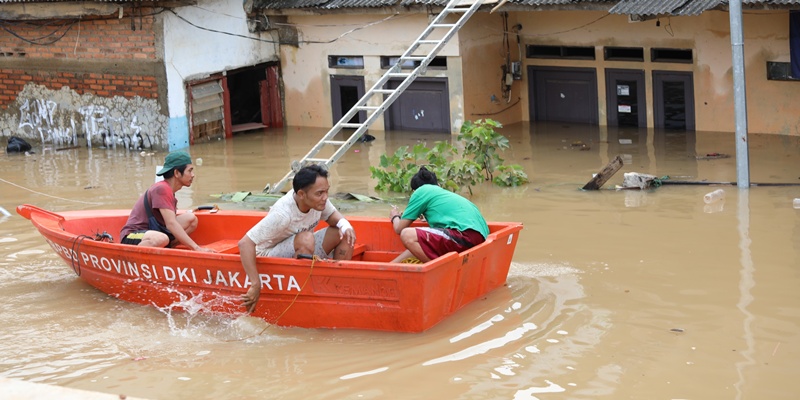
[288, 229]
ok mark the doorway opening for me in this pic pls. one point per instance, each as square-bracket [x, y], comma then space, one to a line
[254, 98]
[245, 103]
[673, 100]
[346, 90]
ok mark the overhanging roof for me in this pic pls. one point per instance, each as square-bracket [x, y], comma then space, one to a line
[630, 7]
[686, 7]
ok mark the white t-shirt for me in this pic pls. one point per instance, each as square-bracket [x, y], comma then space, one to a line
[285, 220]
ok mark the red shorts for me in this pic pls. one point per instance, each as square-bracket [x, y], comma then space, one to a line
[436, 242]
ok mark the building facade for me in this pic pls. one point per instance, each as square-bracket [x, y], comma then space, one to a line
[164, 75]
[633, 63]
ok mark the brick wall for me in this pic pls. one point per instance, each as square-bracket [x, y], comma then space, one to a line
[86, 47]
[106, 85]
[94, 38]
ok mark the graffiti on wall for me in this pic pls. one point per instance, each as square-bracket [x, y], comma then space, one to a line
[100, 126]
[38, 116]
[64, 118]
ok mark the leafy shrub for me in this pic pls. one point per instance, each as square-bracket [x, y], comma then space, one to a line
[479, 162]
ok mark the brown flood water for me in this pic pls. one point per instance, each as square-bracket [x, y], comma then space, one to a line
[612, 294]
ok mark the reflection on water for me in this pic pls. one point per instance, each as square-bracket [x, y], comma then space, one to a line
[612, 294]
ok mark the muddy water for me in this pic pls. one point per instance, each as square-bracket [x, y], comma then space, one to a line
[612, 294]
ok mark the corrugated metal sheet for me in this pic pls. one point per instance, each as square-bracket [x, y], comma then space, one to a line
[440, 3]
[331, 4]
[334, 4]
[765, 2]
[646, 7]
[87, 1]
[321, 4]
[630, 7]
[697, 7]
[555, 2]
[682, 7]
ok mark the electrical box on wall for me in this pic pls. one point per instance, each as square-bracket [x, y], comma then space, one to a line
[516, 70]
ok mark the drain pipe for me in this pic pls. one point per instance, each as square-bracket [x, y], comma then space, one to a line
[739, 97]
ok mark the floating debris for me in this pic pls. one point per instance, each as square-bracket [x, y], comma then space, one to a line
[712, 156]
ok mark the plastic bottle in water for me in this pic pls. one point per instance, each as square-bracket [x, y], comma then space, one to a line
[714, 196]
[796, 203]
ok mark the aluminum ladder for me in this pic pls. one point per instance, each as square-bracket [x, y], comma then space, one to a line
[464, 7]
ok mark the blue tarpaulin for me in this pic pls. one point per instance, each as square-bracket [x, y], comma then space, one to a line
[794, 42]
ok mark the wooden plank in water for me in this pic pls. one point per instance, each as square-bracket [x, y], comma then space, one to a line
[604, 175]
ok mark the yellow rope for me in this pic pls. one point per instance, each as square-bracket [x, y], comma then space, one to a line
[313, 260]
[411, 260]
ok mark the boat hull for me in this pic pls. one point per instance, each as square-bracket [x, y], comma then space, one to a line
[367, 292]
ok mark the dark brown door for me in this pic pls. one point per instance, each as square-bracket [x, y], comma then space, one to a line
[346, 90]
[563, 94]
[673, 100]
[625, 98]
[423, 106]
[271, 106]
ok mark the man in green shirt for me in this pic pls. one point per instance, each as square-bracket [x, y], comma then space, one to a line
[455, 223]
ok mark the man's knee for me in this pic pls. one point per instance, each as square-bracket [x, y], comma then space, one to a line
[188, 221]
[304, 242]
[408, 235]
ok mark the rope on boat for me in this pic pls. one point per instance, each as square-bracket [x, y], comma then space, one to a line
[76, 248]
[308, 278]
[77, 241]
[45, 194]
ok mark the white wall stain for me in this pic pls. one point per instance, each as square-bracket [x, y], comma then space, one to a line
[64, 117]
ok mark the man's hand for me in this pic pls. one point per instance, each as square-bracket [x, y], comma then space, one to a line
[205, 250]
[250, 299]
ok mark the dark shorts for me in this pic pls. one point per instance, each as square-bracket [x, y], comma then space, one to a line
[436, 242]
[133, 238]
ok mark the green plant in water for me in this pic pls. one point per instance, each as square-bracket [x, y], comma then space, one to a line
[477, 163]
[482, 142]
[510, 175]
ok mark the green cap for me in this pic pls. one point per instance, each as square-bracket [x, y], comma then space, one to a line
[174, 160]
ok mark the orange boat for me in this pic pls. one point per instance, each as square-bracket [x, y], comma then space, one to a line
[367, 292]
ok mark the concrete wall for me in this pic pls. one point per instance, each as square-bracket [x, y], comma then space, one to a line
[191, 53]
[484, 52]
[306, 75]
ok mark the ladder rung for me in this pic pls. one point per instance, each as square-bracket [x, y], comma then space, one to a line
[399, 74]
[413, 58]
[442, 25]
[429, 41]
[384, 90]
[335, 142]
[352, 126]
[366, 108]
[315, 160]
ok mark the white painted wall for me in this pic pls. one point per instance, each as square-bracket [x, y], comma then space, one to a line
[191, 53]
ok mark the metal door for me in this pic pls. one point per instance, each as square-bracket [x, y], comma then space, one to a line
[673, 100]
[625, 98]
[424, 106]
[563, 94]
